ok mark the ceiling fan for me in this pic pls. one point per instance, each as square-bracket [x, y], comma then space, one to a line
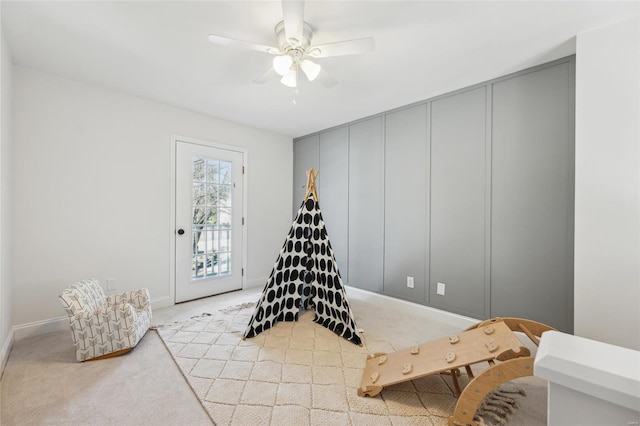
[295, 51]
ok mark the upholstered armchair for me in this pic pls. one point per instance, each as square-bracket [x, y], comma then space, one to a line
[105, 326]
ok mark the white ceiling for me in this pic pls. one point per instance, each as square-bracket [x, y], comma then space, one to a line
[159, 51]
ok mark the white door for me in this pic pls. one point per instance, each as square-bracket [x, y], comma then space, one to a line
[209, 220]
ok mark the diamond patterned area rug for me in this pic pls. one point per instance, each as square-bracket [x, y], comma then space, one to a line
[296, 373]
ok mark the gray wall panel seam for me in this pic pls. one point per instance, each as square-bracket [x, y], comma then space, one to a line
[572, 193]
[427, 296]
[384, 193]
[428, 218]
[488, 200]
[349, 222]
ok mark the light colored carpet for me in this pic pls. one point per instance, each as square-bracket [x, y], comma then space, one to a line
[44, 385]
[294, 373]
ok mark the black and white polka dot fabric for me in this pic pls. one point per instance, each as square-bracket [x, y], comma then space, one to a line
[305, 276]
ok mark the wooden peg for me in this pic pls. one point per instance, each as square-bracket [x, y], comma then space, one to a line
[492, 346]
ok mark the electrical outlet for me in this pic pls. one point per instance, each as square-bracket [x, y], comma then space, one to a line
[410, 282]
[440, 289]
[110, 284]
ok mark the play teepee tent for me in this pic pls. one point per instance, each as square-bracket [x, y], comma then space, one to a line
[305, 276]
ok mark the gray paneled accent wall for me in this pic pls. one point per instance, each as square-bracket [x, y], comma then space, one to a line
[458, 199]
[366, 204]
[406, 213]
[472, 189]
[334, 202]
[533, 187]
[305, 156]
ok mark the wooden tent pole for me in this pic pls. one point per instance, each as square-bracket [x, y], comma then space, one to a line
[311, 184]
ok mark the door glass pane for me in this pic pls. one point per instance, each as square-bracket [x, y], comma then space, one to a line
[224, 239]
[198, 193]
[212, 170]
[224, 219]
[198, 267]
[224, 199]
[198, 170]
[208, 236]
[224, 263]
[211, 196]
[225, 172]
[212, 208]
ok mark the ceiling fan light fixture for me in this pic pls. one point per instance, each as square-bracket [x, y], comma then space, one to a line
[311, 69]
[295, 50]
[290, 79]
[282, 64]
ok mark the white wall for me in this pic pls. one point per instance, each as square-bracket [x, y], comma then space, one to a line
[92, 170]
[6, 89]
[607, 213]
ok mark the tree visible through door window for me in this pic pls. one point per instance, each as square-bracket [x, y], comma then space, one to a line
[212, 227]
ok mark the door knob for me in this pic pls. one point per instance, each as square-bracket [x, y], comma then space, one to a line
[180, 231]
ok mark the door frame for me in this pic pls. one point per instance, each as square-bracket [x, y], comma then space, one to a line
[172, 206]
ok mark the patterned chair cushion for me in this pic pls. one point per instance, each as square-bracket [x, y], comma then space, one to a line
[101, 325]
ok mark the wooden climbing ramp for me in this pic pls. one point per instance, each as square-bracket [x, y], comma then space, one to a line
[492, 341]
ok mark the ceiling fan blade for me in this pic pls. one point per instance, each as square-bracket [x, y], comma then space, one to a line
[226, 41]
[341, 48]
[325, 79]
[268, 75]
[293, 16]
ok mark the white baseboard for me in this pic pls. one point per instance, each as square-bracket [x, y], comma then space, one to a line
[37, 328]
[256, 282]
[161, 302]
[6, 350]
[459, 321]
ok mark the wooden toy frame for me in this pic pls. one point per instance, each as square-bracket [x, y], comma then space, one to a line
[487, 341]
